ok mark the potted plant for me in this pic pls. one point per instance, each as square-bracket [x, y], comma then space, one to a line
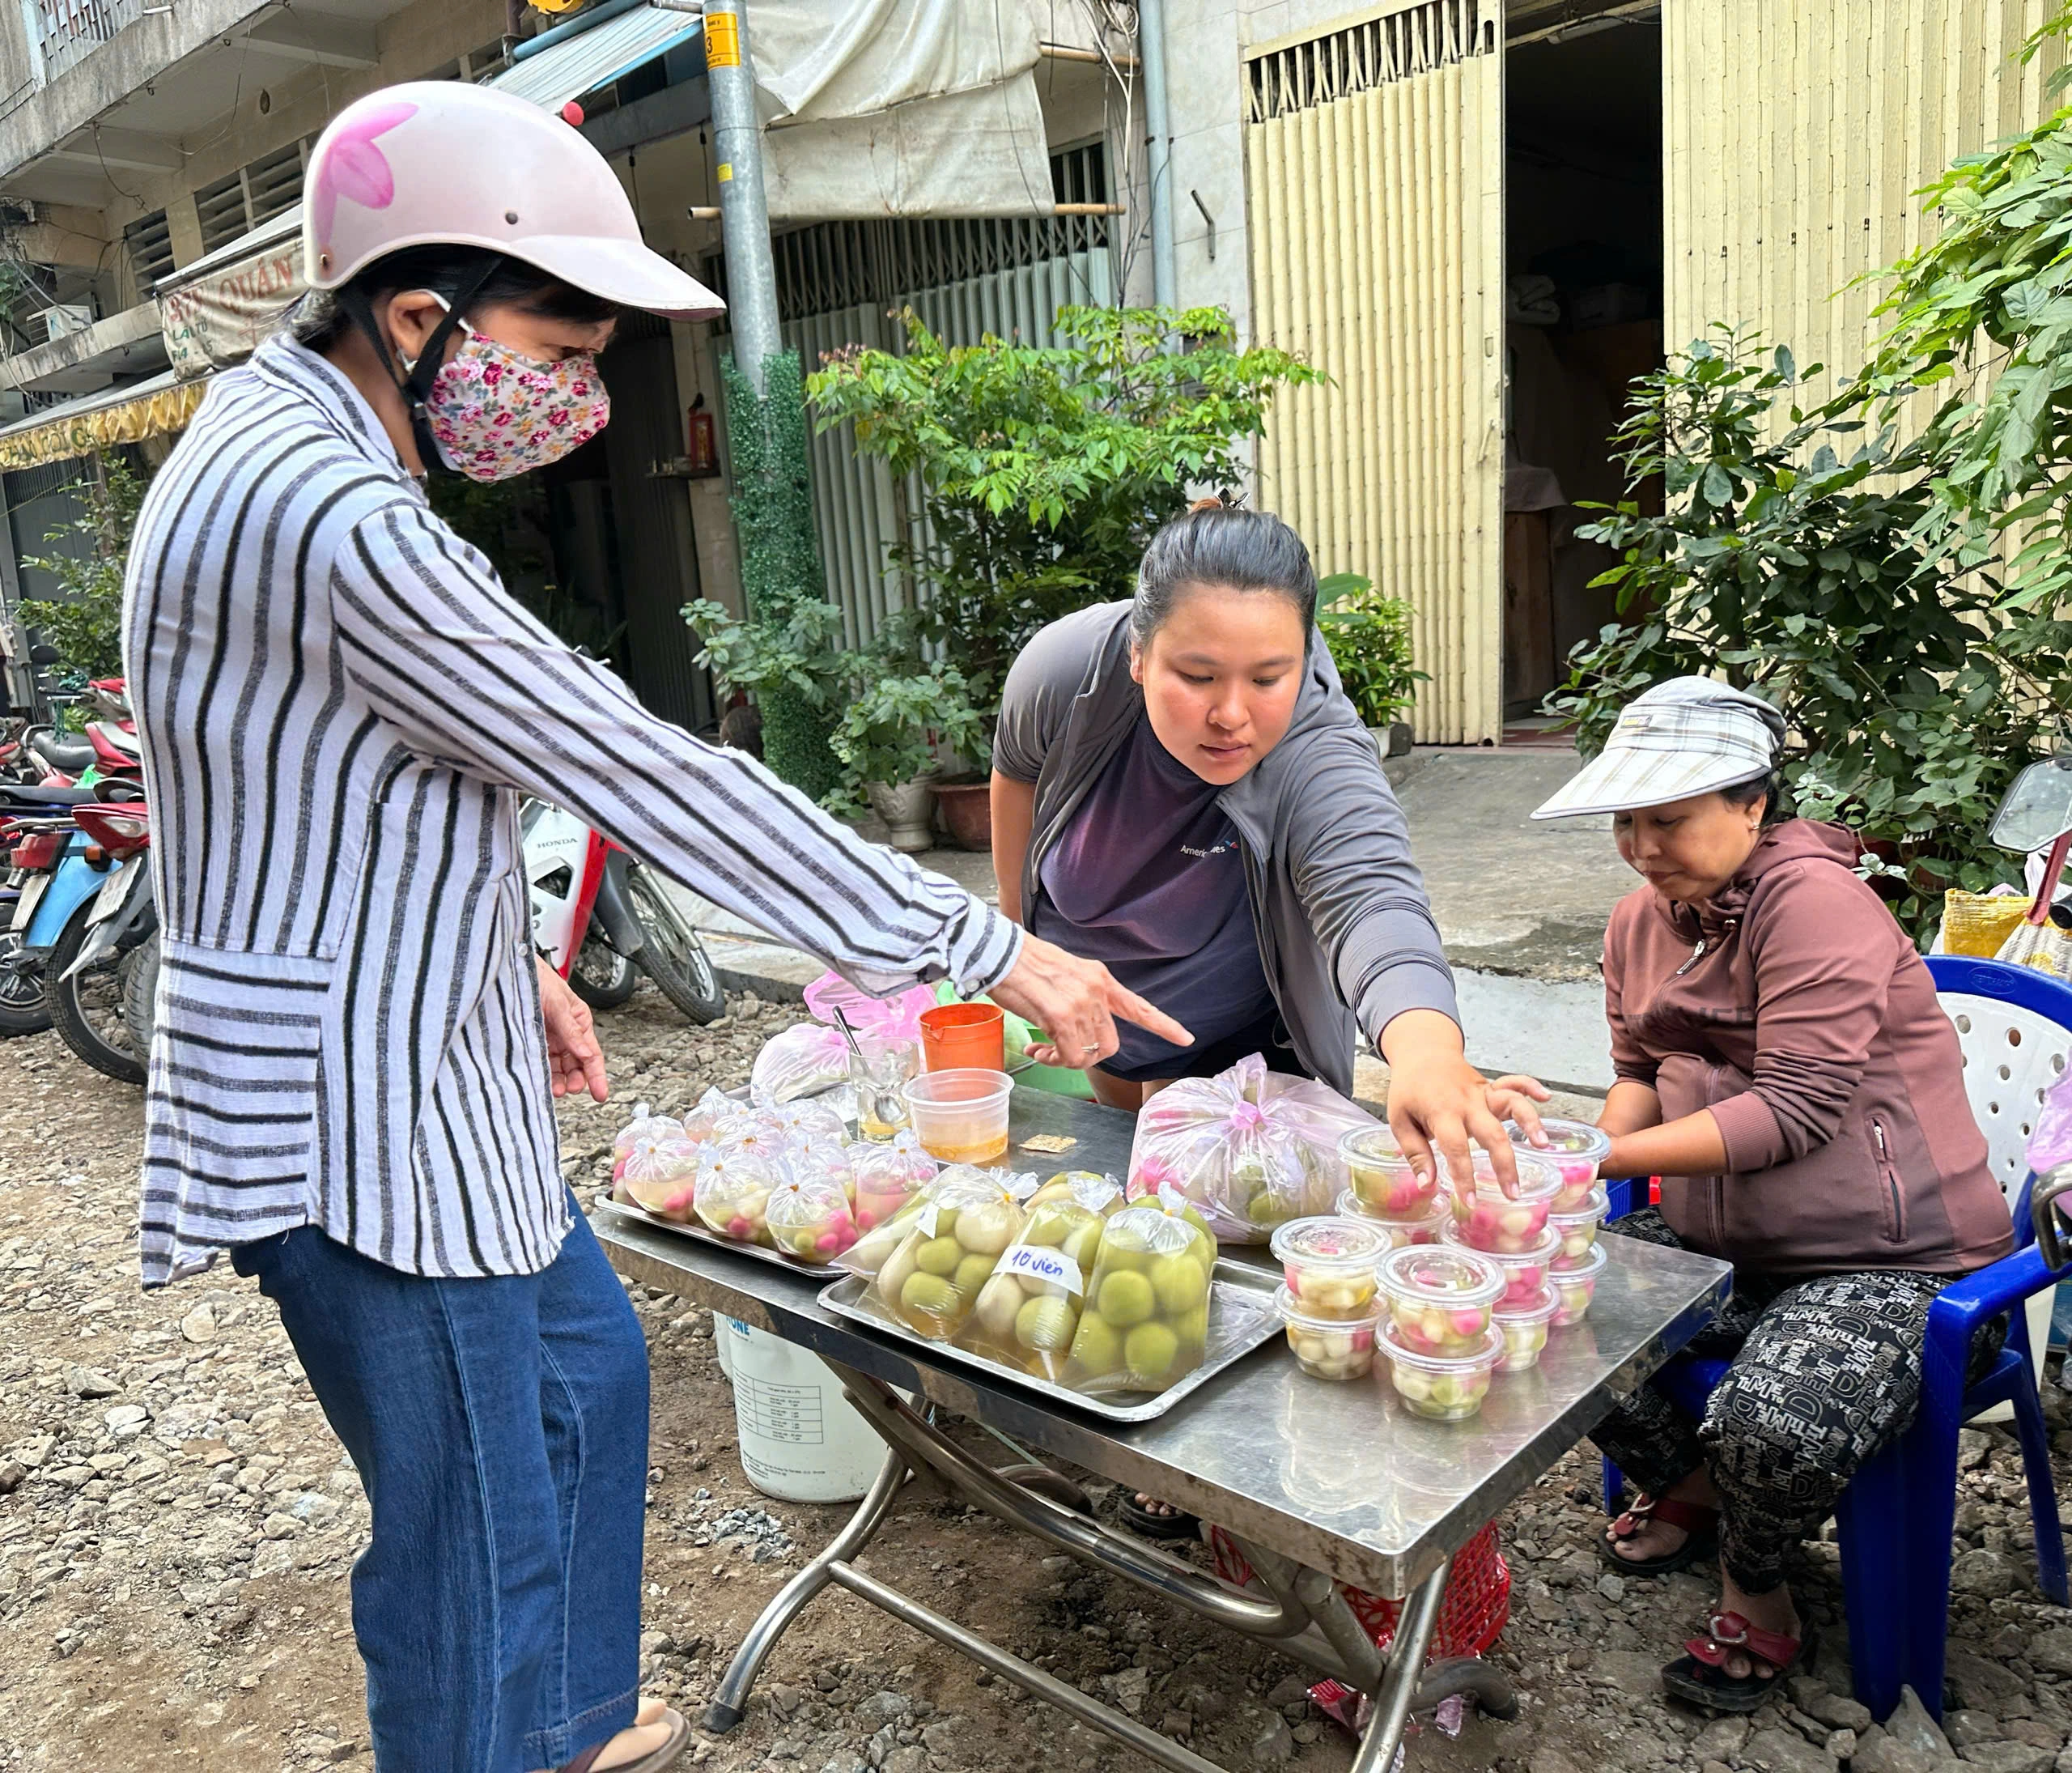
[967, 811]
[887, 741]
[1368, 635]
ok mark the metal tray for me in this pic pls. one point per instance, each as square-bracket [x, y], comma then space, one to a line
[1244, 1319]
[698, 1234]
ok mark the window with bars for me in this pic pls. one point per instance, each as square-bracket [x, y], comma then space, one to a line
[827, 266]
[241, 201]
[1342, 63]
[149, 244]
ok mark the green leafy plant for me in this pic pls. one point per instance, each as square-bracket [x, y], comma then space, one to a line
[1368, 635]
[1044, 471]
[1792, 560]
[886, 708]
[889, 730]
[84, 622]
[1984, 308]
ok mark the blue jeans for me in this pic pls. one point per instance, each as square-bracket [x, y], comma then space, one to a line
[500, 1428]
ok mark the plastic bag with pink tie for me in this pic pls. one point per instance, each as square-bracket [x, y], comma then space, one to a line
[1251, 1148]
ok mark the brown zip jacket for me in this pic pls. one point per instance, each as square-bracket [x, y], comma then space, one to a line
[1794, 1007]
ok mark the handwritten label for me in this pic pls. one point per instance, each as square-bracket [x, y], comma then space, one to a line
[1034, 1262]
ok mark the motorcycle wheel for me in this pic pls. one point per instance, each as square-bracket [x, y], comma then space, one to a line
[672, 955]
[22, 1011]
[87, 1010]
[140, 986]
[602, 976]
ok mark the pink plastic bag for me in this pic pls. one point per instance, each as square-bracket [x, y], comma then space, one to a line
[886, 1019]
[2051, 1143]
[1250, 1147]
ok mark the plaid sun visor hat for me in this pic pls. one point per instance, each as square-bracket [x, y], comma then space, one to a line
[1688, 736]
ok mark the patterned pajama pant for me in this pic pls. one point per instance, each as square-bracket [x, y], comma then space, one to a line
[1825, 1373]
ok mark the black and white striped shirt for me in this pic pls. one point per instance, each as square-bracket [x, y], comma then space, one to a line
[340, 708]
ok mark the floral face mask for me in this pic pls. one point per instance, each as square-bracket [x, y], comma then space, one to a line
[494, 412]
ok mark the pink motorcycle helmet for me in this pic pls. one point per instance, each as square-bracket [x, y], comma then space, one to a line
[441, 163]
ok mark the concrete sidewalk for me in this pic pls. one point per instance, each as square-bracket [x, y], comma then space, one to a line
[1521, 907]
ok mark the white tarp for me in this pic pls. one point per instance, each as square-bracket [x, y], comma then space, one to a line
[875, 108]
[881, 108]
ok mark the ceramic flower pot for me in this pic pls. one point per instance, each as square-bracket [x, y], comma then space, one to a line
[909, 808]
[967, 812]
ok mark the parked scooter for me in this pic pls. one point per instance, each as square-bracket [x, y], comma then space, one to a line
[93, 976]
[597, 914]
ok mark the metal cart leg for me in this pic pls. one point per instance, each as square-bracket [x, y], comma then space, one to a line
[730, 1702]
[1398, 1688]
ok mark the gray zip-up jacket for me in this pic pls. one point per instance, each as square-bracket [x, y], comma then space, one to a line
[1339, 905]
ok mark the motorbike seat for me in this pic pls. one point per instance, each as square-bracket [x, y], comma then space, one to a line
[68, 756]
[101, 794]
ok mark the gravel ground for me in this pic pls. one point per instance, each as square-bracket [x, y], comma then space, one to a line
[177, 1524]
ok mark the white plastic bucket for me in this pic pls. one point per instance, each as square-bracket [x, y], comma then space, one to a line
[802, 1441]
[723, 1345]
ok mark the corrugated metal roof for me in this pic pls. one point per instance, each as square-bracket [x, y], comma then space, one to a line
[597, 56]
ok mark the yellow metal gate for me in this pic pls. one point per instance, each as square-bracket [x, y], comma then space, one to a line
[1796, 133]
[1375, 166]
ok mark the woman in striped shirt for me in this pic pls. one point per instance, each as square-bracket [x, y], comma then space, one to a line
[340, 708]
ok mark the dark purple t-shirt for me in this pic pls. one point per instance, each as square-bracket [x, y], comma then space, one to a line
[1148, 877]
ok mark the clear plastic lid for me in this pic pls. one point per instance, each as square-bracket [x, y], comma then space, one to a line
[1539, 1176]
[1564, 1139]
[1344, 1245]
[1375, 1145]
[1293, 1314]
[1439, 1275]
[1350, 1206]
[1537, 1311]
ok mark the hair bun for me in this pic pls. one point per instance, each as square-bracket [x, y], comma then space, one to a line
[1213, 502]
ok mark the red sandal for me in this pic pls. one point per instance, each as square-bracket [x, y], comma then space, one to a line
[1700, 1676]
[1700, 1527]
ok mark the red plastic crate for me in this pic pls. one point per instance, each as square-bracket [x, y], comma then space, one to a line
[1476, 1606]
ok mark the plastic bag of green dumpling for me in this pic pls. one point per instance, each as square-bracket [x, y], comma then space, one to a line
[1027, 1311]
[1017, 1037]
[1144, 1324]
[959, 1228]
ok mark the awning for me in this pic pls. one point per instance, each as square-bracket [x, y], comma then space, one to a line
[217, 310]
[156, 408]
[597, 56]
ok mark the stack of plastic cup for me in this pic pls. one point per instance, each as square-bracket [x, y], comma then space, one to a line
[1524, 1324]
[1576, 1286]
[1490, 1220]
[1577, 1147]
[1382, 1177]
[1400, 1232]
[1578, 1230]
[1329, 1265]
[1439, 1298]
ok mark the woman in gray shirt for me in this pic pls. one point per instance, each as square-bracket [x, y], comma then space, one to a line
[1182, 790]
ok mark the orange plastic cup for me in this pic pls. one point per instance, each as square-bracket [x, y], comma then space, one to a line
[964, 1037]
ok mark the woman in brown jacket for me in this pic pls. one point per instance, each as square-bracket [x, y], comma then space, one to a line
[1783, 1065]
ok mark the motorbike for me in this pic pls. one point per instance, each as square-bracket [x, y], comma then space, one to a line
[598, 915]
[103, 968]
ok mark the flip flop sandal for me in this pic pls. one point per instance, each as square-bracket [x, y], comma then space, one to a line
[1148, 1524]
[679, 1739]
[1700, 1527]
[1701, 1677]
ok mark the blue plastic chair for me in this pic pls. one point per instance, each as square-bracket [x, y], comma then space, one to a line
[1898, 1514]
